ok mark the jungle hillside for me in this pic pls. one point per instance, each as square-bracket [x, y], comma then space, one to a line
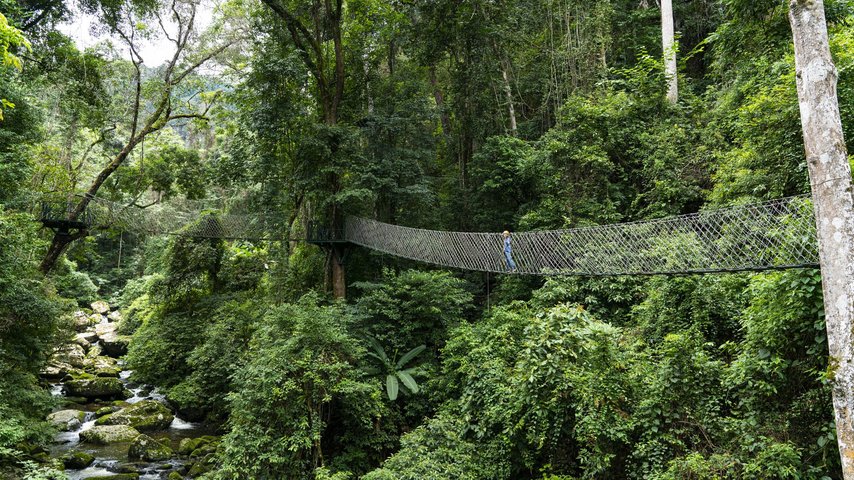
[187, 292]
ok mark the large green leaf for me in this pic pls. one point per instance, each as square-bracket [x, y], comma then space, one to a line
[410, 355]
[408, 381]
[380, 351]
[391, 386]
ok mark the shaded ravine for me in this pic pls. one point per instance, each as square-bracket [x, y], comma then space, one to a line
[113, 458]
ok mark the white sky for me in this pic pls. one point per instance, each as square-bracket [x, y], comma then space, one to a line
[153, 52]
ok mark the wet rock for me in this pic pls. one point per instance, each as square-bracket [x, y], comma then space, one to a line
[146, 415]
[148, 449]
[85, 339]
[67, 420]
[174, 476]
[71, 354]
[95, 351]
[106, 434]
[56, 371]
[77, 460]
[203, 466]
[95, 387]
[103, 366]
[106, 411]
[190, 445]
[114, 345]
[115, 316]
[74, 400]
[81, 321]
[101, 307]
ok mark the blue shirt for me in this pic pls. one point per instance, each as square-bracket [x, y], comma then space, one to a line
[507, 245]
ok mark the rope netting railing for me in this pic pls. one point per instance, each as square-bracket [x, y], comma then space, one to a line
[769, 235]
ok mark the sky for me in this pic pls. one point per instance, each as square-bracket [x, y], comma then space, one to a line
[155, 52]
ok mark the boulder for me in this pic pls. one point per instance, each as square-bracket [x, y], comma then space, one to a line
[114, 345]
[103, 366]
[115, 316]
[77, 460]
[70, 354]
[95, 387]
[86, 339]
[67, 420]
[106, 434]
[190, 445]
[148, 449]
[56, 370]
[94, 352]
[174, 476]
[80, 321]
[146, 415]
[101, 307]
[106, 411]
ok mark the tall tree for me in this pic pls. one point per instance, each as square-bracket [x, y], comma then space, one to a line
[669, 45]
[145, 119]
[310, 25]
[830, 176]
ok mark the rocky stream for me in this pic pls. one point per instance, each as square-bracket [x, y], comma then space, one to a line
[112, 428]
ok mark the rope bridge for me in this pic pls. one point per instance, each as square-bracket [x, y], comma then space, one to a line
[775, 234]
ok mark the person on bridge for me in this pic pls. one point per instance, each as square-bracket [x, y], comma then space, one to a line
[508, 252]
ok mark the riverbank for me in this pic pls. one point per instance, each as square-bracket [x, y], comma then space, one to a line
[110, 426]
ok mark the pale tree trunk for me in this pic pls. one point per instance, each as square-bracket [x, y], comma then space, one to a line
[669, 45]
[830, 177]
[508, 94]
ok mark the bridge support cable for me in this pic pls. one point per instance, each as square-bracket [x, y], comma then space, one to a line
[771, 235]
[775, 234]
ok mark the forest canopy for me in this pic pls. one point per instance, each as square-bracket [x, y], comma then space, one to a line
[293, 360]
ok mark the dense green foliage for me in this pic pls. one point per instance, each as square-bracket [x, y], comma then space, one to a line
[422, 373]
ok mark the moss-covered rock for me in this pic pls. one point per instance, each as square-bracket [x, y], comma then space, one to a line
[106, 434]
[95, 387]
[148, 449]
[198, 447]
[106, 411]
[67, 420]
[146, 415]
[77, 460]
[100, 307]
[174, 476]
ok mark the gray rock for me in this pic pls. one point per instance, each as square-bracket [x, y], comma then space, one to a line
[115, 316]
[88, 337]
[101, 307]
[148, 449]
[77, 460]
[114, 345]
[146, 415]
[67, 420]
[95, 387]
[81, 321]
[106, 434]
[71, 354]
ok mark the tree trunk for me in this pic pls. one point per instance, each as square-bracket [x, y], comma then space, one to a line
[669, 46]
[830, 177]
[508, 93]
[440, 101]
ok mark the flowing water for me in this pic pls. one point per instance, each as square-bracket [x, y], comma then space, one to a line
[110, 458]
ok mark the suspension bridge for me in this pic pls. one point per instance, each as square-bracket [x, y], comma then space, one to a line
[776, 234]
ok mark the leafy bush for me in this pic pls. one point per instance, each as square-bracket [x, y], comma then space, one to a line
[301, 365]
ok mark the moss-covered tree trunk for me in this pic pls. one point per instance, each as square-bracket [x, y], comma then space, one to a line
[830, 177]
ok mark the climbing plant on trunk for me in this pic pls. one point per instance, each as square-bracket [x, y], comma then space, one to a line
[830, 178]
